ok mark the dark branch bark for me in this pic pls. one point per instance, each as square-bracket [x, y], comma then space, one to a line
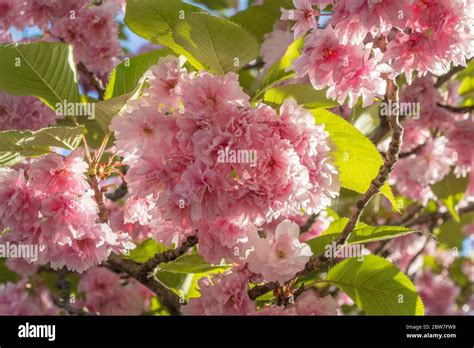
[457, 109]
[166, 296]
[446, 77]
[93, 79]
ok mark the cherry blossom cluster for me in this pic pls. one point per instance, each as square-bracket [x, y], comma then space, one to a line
[90, 29]
[227, 294]
[49, 203]
[179, 139]
[351, 57]
[24, 113]
[104, 292]
[16, 300]
[432, 158]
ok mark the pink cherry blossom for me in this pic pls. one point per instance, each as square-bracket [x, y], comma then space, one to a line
[97, 22]
[208, 94]
[10, 11]
[304, 15]
[15, 300]
[279, 259]
[274, 46]
[438, 293]
[41, 12]
[24, 113]
[54, 173]
[355, 19]
[220, 239]
[461, 140]
[105, 293]
[274, 310]
[164, 79]
[349, 70]
[21, 266]
[141, 129]
[431, 164]
[308, 303]
[224, 294]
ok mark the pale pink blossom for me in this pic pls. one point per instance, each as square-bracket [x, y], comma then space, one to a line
[279, 259]
[208, 94]
[106, 294]
[140, 129]
[15, 300]
[93, 33]
[348, 70]
[10, 14]
[41, 12]
[164, 79]
[55, 173]
[438, 293]
[303, 14]
[224, 294]
[274, 46]
[220, 239]
[354, 19]
[274, 310]
[461, 140]
[24, 113]
[308, 303]
[21, 266]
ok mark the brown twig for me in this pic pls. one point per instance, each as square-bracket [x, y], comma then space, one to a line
[167, 297]
[93, 79]
[457, 109]
[446, 77]
[63, 300]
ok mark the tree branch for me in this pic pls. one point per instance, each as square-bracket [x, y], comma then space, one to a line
[446, 77]
[456, 109]
[93, 79]
[169, 255]
[166, 296]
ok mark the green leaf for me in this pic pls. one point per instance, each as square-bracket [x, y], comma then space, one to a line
[356, 157]
[450, 191]
[68, 138]
[126, 76]
[467, 86]
[221, 45]
[215, 4]
[6, 275]
[190, 264]
[154, 20]
[304, 94]
[362, 233]
[376, 286]
[259, 20]
[279, 71]
[17, 145]
[109, 108]
[11, 153]
[451, 234]
[42, 69]
[145, 251]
